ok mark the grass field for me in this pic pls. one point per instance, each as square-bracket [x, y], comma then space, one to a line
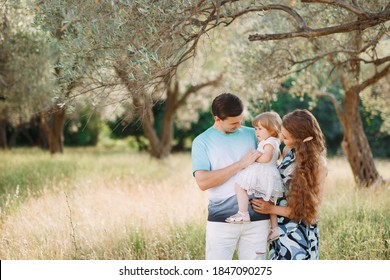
[117, 204]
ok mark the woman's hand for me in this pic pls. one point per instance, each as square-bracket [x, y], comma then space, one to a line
[261, 206]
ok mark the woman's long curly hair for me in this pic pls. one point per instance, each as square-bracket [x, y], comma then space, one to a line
[303, 196]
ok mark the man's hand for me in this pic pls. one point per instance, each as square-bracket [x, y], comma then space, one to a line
[249, 158]
[209, 179]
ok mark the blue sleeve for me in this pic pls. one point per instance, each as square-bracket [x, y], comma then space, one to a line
[200, 159]
[255, 138]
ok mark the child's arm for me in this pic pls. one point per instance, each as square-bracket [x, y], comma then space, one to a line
[267, 155]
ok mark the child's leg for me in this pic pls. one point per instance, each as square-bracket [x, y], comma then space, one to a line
[274, 232]
[242, 215]
[274, 221]
[242, 198]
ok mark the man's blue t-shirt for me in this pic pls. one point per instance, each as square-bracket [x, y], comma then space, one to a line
[213, 150]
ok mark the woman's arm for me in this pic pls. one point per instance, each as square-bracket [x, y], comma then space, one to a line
[266, 207]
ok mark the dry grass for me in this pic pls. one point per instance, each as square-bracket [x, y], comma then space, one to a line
[89, 216]
[122, 205]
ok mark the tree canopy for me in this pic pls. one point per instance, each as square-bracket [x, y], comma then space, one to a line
[131, 51]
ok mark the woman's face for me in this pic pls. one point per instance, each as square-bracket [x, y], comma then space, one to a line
[287, 138]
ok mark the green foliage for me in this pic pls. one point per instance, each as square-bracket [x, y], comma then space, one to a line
[83, 127]
[323, 110]
[86, 42]
[128, 130]
[184, 137]
[99, 37]
[24, 73]
[377, 138]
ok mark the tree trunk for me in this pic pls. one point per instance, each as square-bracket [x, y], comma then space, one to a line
[160, 145]
[3, 134]
[52, 125]
[355, 144]
[143, 106]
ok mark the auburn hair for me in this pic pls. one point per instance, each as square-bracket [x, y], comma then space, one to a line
[303, 196]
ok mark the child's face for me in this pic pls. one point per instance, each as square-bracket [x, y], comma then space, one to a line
[261, 132]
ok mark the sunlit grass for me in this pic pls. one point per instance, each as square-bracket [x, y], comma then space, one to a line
[355, 223]
[118, 204]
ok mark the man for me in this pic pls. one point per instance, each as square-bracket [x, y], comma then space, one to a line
[217, 155]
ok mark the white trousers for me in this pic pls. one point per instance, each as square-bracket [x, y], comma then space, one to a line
[250, 239]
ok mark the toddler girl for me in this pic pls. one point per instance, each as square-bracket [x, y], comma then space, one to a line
[262, 178]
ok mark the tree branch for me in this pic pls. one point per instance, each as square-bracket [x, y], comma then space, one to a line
[196, 88]
[334, 101]
[299, 20]
[376, 77]
[376, 62]
[5, 2]
[313, 33]
[352, 8]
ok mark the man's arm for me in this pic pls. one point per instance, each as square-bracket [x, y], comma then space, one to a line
[209, 179]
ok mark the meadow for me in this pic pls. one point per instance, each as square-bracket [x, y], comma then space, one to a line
[113, 204]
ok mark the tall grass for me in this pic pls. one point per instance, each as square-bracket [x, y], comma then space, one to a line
[355, 223]
[118, 204]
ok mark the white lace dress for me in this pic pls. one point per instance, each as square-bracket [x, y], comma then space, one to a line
[263, 179]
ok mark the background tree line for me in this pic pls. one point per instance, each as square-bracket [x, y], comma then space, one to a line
[87, 126]
[156, 62]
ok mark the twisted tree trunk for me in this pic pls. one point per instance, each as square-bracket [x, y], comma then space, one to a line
[52, 126]
[355, 144]
[160, 143]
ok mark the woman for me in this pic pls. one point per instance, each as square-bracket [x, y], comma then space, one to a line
[303, 172]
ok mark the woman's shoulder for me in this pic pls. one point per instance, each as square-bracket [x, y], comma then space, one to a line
[285, 151]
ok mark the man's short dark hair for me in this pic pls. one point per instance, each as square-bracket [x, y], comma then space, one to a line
[227, 105]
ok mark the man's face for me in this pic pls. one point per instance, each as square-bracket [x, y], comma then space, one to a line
[230, 124]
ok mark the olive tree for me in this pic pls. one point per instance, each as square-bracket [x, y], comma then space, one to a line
[132, 47]
[139, 45]
[25, 85]
[319, 42]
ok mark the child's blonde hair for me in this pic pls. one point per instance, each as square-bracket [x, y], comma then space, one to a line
[271, 121]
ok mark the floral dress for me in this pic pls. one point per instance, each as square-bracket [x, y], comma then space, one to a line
[297, 240]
